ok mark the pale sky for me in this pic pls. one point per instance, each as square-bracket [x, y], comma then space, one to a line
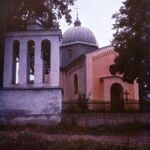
[96, 15]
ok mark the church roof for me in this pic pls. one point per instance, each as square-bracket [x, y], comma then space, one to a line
[74, 62]
[79, 34]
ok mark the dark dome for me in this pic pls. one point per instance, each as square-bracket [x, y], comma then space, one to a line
[79, 34]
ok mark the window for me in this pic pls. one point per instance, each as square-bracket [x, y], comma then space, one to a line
[46, 56]
[30, 62]
[16, 48]
[75, 84]
[70, 53]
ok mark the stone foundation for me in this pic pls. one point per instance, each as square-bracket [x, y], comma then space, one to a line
[30, 105]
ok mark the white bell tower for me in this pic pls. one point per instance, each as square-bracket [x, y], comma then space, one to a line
[32, 72]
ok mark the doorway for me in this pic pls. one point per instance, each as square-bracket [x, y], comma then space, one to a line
[117, 103]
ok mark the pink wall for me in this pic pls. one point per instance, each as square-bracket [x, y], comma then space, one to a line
[100, 80]
[94, 78]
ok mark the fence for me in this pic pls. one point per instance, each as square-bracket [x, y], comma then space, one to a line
[105, 106]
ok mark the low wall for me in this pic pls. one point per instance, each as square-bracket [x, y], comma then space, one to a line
[95, 119]
[35, 105]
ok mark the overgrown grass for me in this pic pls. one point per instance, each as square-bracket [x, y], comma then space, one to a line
[27, 141]
[125, 128]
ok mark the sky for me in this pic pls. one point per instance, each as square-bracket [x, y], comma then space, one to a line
[96, 15]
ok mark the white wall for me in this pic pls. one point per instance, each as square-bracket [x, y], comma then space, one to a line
[30, 102]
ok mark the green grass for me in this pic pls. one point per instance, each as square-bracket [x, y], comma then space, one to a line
[75, 129]
[27, 141]
[24, 139]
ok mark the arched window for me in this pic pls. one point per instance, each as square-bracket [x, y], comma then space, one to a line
[16, 49]
[30, 62]
[46, 56]
[75, 84]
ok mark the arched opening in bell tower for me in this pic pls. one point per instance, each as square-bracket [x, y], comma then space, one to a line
[15, 71]
[30, 62]
[46, 56]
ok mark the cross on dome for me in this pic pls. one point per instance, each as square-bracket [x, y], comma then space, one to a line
[77, 21]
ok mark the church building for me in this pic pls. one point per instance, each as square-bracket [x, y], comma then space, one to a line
[85, 70]
[43, 70]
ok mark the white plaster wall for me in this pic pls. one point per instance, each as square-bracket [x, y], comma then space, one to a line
[89, 76]
[81, 82]
[38, 99]
[55, 62]
[32, 101]
[8, 62]
[37, 36]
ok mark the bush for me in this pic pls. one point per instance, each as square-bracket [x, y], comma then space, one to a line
[71, 109]
[83, 103]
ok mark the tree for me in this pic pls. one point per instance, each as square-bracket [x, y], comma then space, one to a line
[15, 13]
[132, 40]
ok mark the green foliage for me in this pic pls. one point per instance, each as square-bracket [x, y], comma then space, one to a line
[14, 14]
[131, 39]
[83, 103]
[72, 109]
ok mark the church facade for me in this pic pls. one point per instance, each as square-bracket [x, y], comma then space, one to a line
[85, 70]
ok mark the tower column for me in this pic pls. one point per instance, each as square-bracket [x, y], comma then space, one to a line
[55, 62]
[38, 67]
[23, 63]
[8, 61]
